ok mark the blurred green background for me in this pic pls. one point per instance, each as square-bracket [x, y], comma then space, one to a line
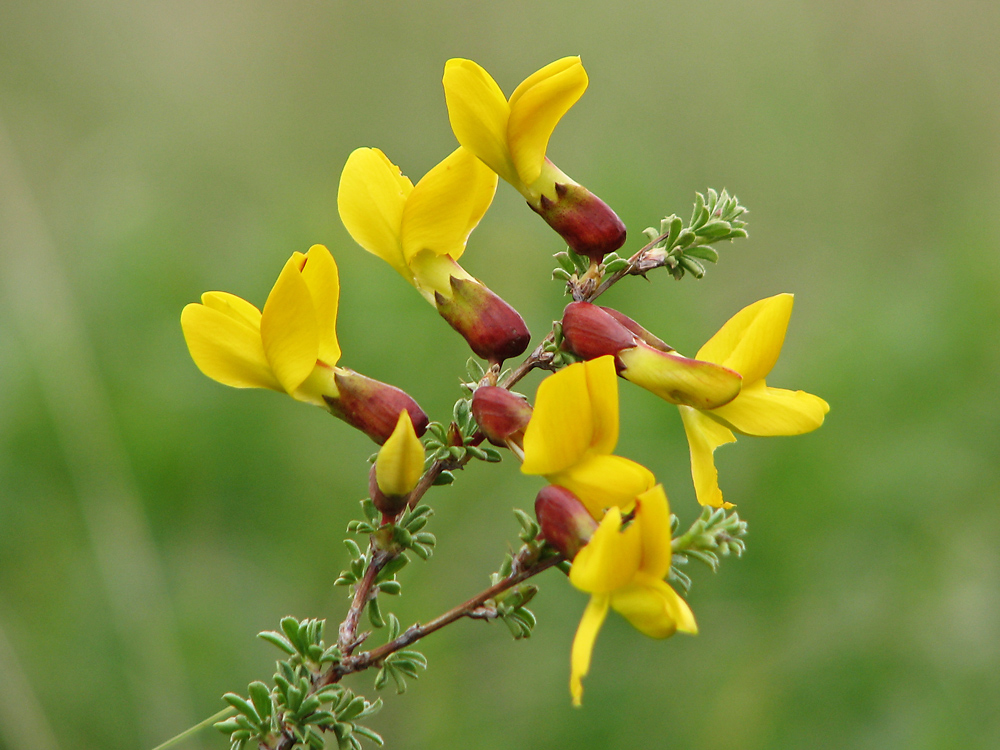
[153, 521]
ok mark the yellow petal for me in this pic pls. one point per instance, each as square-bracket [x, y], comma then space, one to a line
[400, 462]
[610, 559]
[601, 482]
[289, 329]
[602, 388]
[583, 644]
[751, 340]
[536, 108]
[234, 306]
[321, 276]
[478, 112]
[446, 205]
[561, 426]
[679, 380]
[704, 436]
[653, 608]
[763, 411]
[653, 516]
[225, 346]
[371, 198]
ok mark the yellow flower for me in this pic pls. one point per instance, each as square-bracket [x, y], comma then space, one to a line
[421, 230]
[400, 462]
[511, 137]
[572, 433]
[624, 569]
[749, 343]
[292, 346]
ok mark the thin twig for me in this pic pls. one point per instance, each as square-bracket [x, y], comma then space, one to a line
[415, 632]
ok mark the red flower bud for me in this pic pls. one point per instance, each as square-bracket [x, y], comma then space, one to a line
[565, 522]
[638, 330]
[590, 331]
[372, 406]
[495, 331]
[587, 223]
[389, 506]
[500, 414]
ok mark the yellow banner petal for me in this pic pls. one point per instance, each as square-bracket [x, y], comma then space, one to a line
[601, 482]
[679, 380]
[561, 426]
[536, 108]
[602, 387]
[289, 329]
[653, 516]
[763, 411]
[370, 199]
[478, 112]
[225, 347]
[446, 205]
[583, 644]
[610, 559]
[751, 340]
[705, 435]
[321, 276]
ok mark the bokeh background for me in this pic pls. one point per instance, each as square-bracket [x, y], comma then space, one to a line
[153, 521]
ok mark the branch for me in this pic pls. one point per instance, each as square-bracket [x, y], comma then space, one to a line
[415, 632]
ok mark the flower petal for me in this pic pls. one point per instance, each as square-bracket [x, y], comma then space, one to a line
[446, 205]
[321, 276]
[478, 112]
[225, 346]
[289, 329]
[653, 516]
[679, 380]
[536, 107]
[602, 388]
[370, 199]
[654, 608]
[751, 340]
[704, 436]
[610, 559]
[234, 306]
[400, 461]
[764, 411]
[601, 482]
[562, 425]
[583, 644]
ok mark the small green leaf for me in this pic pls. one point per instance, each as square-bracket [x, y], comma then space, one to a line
[352, 548]
[278, 640]
[261, 697]
[241, 705]
[704, 252]
[445, 477]
[375, 614]
[392, 588]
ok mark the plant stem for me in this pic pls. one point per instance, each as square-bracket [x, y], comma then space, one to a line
[173, 741]
[414, 633]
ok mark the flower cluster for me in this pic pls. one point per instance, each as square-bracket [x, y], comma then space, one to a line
[604, 517]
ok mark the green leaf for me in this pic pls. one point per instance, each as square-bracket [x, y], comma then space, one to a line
[375, 614]
[445, 477]
[704, 252]
[241, 705]
[278, 640]
[394, 627]
[352, 710]
[352, 548]
[369, 734]
[261, 697]
[290, 626]
[392, 588]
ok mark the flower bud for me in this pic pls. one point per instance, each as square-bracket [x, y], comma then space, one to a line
[591, 331]
[500, 414]
[372, 406]
[587, 223]
[398, 468]
[565, 522]
[638, 330]
[495, 331]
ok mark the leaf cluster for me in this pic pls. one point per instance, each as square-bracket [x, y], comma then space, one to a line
[294, 710]
[714, 535]
[399, 665]
[685, 249]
